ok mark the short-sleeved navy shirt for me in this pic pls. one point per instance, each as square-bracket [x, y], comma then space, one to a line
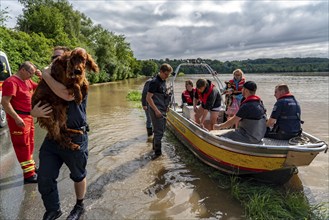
[251, 110]
[157, 85]
[158, 88]
[76, 114]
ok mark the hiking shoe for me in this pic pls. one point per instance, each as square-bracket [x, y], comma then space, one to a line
[51, 215]
[31, 179]
[76, 212]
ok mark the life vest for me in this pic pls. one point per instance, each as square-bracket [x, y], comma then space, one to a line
[250, 99]
[289, 121]
[286, 95]
[240, 84]
[204, 96]
[187, 96]
[254, 129]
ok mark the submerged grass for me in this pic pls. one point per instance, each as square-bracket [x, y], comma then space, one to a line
[134, 96]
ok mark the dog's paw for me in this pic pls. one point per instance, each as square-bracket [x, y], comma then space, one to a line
[74, 146]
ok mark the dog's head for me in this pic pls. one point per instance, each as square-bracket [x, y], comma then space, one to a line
[72, 66]
[77, 63]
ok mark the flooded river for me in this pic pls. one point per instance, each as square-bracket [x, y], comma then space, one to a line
[123, 183]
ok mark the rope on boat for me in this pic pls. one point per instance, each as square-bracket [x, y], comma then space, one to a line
[299, 140]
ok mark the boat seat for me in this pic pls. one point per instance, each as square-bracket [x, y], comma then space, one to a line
[188, 112]
[275, 142]
[220, 132]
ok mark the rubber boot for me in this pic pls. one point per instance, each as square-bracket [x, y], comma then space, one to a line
[149, 131]
[157, 151]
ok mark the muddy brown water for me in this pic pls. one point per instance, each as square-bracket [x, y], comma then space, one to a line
[123, 183]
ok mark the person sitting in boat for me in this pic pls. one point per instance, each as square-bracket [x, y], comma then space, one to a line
[284, 122]
[231, 103]
[251, 118]
[189, 93]
[237, 84]
[210, 99]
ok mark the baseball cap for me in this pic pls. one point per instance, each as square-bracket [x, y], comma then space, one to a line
[250, 85]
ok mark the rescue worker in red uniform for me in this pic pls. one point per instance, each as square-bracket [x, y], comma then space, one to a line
[16, 101]
[189, 94]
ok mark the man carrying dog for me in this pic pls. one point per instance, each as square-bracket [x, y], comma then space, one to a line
[52, 156]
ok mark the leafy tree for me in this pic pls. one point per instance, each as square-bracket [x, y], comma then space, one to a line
[4, 16]
[20, 46]
[149, 68]
[58, 21]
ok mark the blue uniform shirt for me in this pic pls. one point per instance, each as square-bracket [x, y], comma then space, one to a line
[76, 114]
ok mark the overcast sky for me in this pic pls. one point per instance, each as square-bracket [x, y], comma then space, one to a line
[223, 30]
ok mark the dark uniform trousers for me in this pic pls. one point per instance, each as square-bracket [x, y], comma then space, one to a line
[52, 157]
[159, 126]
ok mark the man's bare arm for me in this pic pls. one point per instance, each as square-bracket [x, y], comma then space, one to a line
[229, 123]
[152, 105]
[58, 88]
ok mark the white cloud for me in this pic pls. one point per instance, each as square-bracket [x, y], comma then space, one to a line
[225, 30]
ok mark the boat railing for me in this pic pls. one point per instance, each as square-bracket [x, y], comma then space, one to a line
[213, 73]
[315, 147]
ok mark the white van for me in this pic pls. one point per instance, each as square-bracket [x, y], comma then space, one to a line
[5, 72]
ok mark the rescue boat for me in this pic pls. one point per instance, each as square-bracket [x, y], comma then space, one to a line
[273, 161]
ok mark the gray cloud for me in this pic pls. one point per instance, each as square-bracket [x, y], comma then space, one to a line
[225, 30]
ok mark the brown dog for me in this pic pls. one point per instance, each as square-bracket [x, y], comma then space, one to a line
[70, 70]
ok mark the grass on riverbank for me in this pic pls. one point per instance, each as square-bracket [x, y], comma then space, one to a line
[274, 202]
[259, 201]
[264, 201]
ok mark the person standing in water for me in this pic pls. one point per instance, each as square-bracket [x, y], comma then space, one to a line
[158, 98]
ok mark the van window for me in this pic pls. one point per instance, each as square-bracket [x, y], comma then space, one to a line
[4, 72]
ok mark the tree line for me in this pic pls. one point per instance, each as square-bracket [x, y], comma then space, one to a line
[48, 23]
[281, 65]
